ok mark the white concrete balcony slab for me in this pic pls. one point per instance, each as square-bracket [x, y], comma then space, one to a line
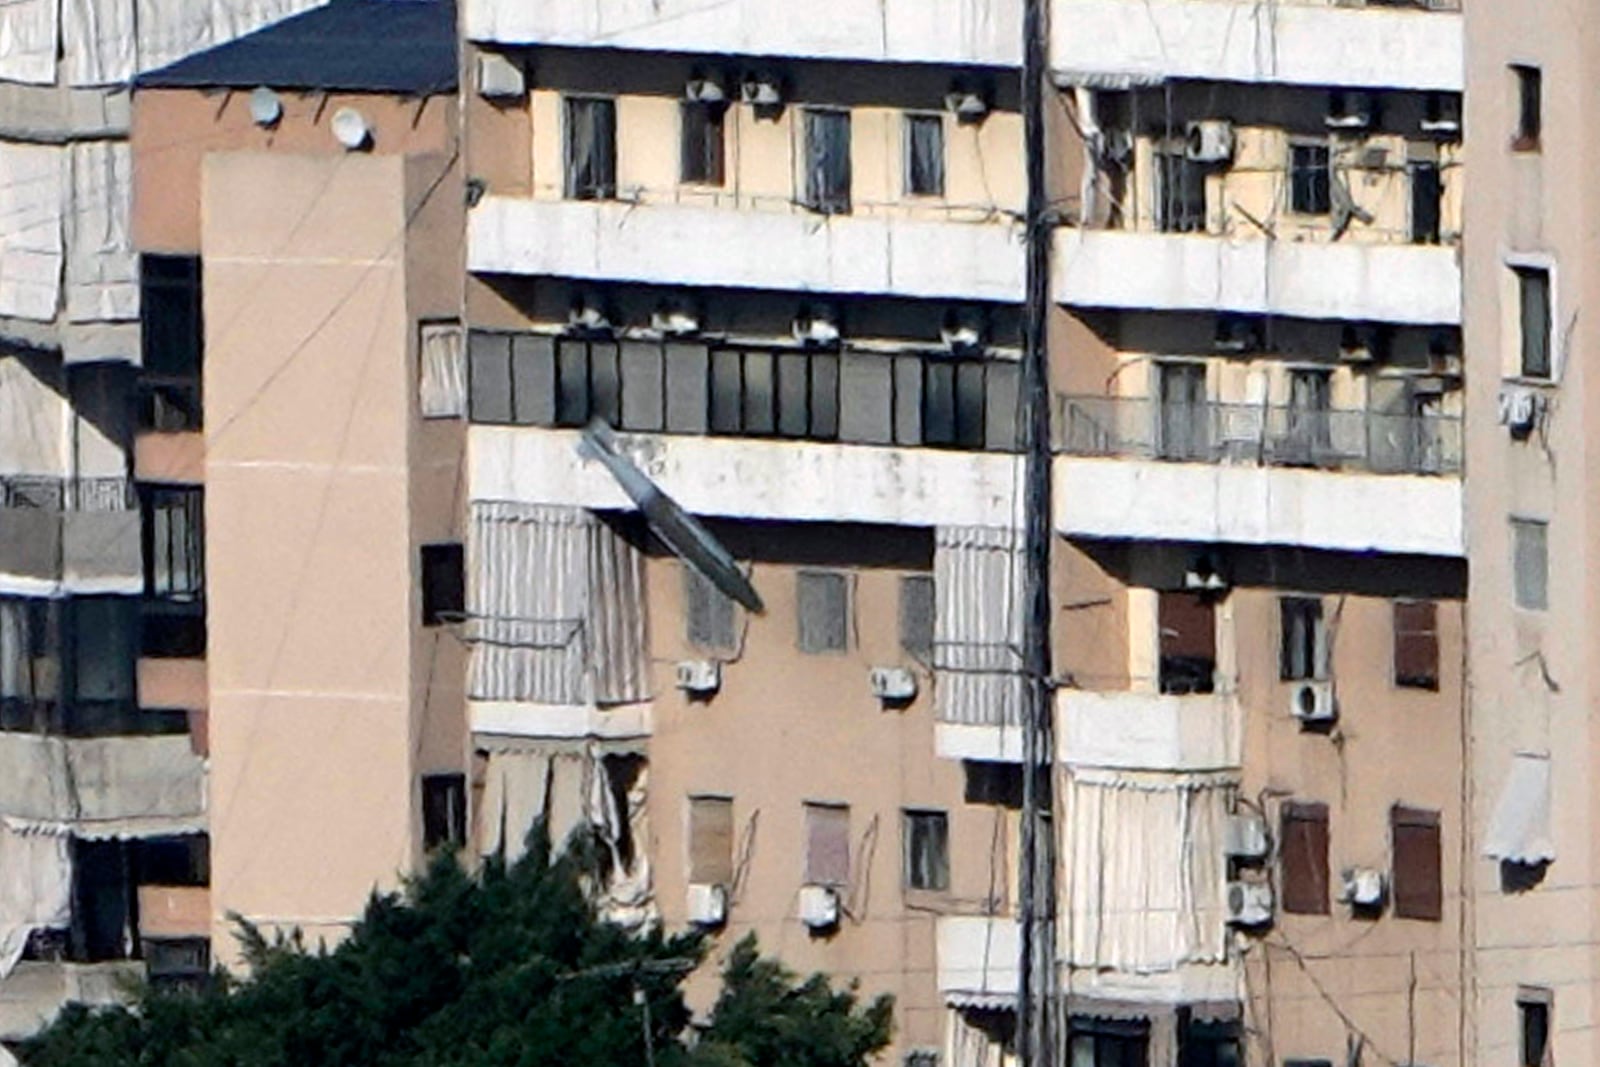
[1394, 283]
[1121, 41]
[982, 32]
[753, 479]
[977, 959]
[1130, 499]
[673, 244]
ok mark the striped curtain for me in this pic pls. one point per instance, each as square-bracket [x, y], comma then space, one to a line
[977, 642]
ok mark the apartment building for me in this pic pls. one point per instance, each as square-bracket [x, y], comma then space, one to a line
[102, 807]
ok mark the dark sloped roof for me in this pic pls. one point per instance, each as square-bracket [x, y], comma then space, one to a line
[381, 46]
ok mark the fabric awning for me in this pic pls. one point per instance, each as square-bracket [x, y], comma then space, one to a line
[1519, 830]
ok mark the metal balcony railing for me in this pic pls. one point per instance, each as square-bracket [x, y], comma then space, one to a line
[67, 494]
[1259, 435]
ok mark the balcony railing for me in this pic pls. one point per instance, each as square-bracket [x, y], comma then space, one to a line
[67, 494]
[1259, 435]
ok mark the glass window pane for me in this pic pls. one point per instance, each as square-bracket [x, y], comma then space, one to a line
[727, 414]
[760, 393]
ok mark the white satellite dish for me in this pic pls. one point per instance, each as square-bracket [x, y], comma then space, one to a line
[351, 129]
[265, 107]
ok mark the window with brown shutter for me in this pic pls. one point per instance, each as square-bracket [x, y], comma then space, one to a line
[711, 841]
[827, 844]
[1417, 876]
[1303, 858]
[1416, 644]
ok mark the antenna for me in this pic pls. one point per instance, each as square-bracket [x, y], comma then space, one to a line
[678, 530]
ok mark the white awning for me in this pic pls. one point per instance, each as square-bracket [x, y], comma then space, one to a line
[1519, 830]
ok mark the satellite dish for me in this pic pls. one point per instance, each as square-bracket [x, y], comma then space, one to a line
[680, 531]
[265, 107]
[351, 129]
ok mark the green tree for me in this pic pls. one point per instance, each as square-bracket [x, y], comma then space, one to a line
[509, 968]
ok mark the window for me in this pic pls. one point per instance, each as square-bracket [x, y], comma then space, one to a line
[1183, 429]
[1309, 434]
[591, 148]
[444, 597]
[103, 634]
[917, 608]
[1530, 107]
[775, 393]
[702, 138]
[827, 161]
[1530, 564]
[996, 784]
[1310, 190]
[827, 844]
[1188, 642]
[954, 401]
[444, 810]
[1417, 876]
[172, 521]
[1427, 191]
[1304, 652]
[924, 155]
[1180, 194]
[1416, 644]
[1534, 1006]
[442, 381]
[1096, 1042]
[822, 600]
[927, 850]
[1303, 858]
[711, 841]
[172, 343]
[178, 964]
[709, 611]
[1208, 1043]
[538, 380]
[1533, 298]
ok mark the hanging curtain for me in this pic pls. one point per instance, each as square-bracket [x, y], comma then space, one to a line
[35, 889]
[978, 625]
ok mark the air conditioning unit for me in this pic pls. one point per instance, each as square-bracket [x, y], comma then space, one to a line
[819, 906]
[1349, 109]
[1362, 344]
[1362, 887]
[1236, 334]
[499, 78]
[675, 321]
[1209, 141]
[1520, 410]
[707, 904]
[962, 330]
[762, 90]
[1204, 576]
[1249, 903]
[892, 683]
[1244, 837]
[816, 327]
[1313, 701]
[967, 107]
[701, 677]
[588, 317]
[704, 91]
[1442, 115]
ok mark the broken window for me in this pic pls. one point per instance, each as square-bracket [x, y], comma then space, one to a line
[444, 597]
[1533, 297]
[1530, 108]
[927, 850]
[1303, 655]
[702, 142]
[1310, 178]
[827, 161]
[1303, 858]
[591, 172]
[1188, 642]
[711, 841]
[1098, 1042]
[1530, 564]
[172, 520]
[1418, 877]
[1534, 1004]
[709, 610]
[827, 844]
[444, 810]
[917, 609]
[172, 343]
[1180, 193]
[822, 600]
[1416, 644]
[924, 155]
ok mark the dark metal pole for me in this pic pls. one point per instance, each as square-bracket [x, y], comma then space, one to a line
[1036, 966]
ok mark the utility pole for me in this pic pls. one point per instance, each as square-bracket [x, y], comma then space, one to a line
[1036, 966]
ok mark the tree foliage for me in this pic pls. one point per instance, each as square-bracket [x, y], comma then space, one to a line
[508, 968]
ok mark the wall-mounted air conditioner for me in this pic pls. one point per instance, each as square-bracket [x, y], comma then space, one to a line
[819, 906]
[1349, 109]
[499, 78]
[674, 321]
[892, 683]
[1441, 115]
[1209, 141]
[816, 326]
[700, 677]
[707, 904]
[1249, 903]
[1362, 887]
[1313, 701]
[1520, 410]
[762, 91]
[967, 107]
[1244, 837]
[704, 91]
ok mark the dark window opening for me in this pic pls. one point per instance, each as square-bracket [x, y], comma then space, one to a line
[1533, 295]
[995, 784]
[827, 161]
[178, 965]
[1183, 426]
[591, 172]
[1418, 872]
[1208, 1043]
[1303, 858]
[917, 615]
[822, 602]
[1533, 1025]
[173, 541]
[1308, 435]
[954, 401]
[703, 142]
[1310, 179]
[1530, 108]
[1188, 642]
[1427, 190]
[444, 594]
[762, 393]
[1416, 644]
[924, 155]
[444, 811]
[1303, 652]
[1180, 194]
[172, 343]
[1108, 1042]
[172, 631]
[927, 850]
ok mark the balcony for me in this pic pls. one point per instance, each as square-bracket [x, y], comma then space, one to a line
[63, 536]
[1307, 43]
[1391, 283]
[977, 960]
[791, 251]
[1351, 481]
[980, 32]
[36, 991]
[103, 788]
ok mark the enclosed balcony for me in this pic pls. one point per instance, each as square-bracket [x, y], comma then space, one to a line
[69, 535]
